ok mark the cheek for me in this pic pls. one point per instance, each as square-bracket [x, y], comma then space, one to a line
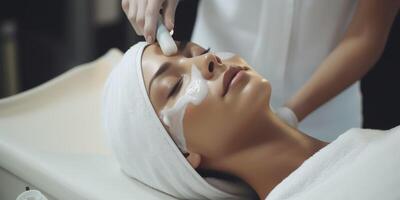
[209, 128]
[201, 126]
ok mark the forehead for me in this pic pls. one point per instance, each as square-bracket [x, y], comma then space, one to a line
[152, 58]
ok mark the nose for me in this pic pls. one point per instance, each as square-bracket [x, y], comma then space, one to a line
[209, 65]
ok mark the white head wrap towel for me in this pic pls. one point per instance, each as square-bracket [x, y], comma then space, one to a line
[142, 145]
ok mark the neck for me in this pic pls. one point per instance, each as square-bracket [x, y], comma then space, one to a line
[279, 150]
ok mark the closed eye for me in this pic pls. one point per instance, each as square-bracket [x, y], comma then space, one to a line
[176, 87]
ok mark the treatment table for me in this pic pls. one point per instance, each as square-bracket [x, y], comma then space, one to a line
[52, 140]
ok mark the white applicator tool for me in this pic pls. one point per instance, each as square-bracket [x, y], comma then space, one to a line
[164, 38]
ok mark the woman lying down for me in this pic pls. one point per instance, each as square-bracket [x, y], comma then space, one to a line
[198, 125]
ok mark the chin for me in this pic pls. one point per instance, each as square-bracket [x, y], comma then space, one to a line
[267, 89]
[256, 96]
[264, 95]
[262, 87]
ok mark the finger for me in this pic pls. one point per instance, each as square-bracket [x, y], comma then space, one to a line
[169, 13]
[131, 14]
[152, 14]
[125, 6]
[140, 16]
[133, 10]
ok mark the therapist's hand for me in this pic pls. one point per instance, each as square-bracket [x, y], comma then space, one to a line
[357, 52]
[143, 15]
[288, 116]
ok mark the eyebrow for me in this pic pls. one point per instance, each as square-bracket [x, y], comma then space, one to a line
[164, 67]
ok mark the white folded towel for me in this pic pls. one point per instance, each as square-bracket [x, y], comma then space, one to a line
[360, 164]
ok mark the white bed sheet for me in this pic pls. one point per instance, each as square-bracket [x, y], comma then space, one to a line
[51, 136]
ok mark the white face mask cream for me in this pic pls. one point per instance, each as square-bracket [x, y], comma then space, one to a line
[224, 55]
[195, 93]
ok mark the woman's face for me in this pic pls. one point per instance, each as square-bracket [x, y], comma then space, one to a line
[215, 127]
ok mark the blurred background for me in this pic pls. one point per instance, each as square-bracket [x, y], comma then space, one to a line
[42, 39]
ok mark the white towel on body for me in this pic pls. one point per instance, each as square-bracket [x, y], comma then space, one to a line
[360, 164]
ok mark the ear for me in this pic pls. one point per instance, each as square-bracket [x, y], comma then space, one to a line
[194, 159]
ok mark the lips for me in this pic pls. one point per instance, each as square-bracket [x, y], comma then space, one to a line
[228, 77]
